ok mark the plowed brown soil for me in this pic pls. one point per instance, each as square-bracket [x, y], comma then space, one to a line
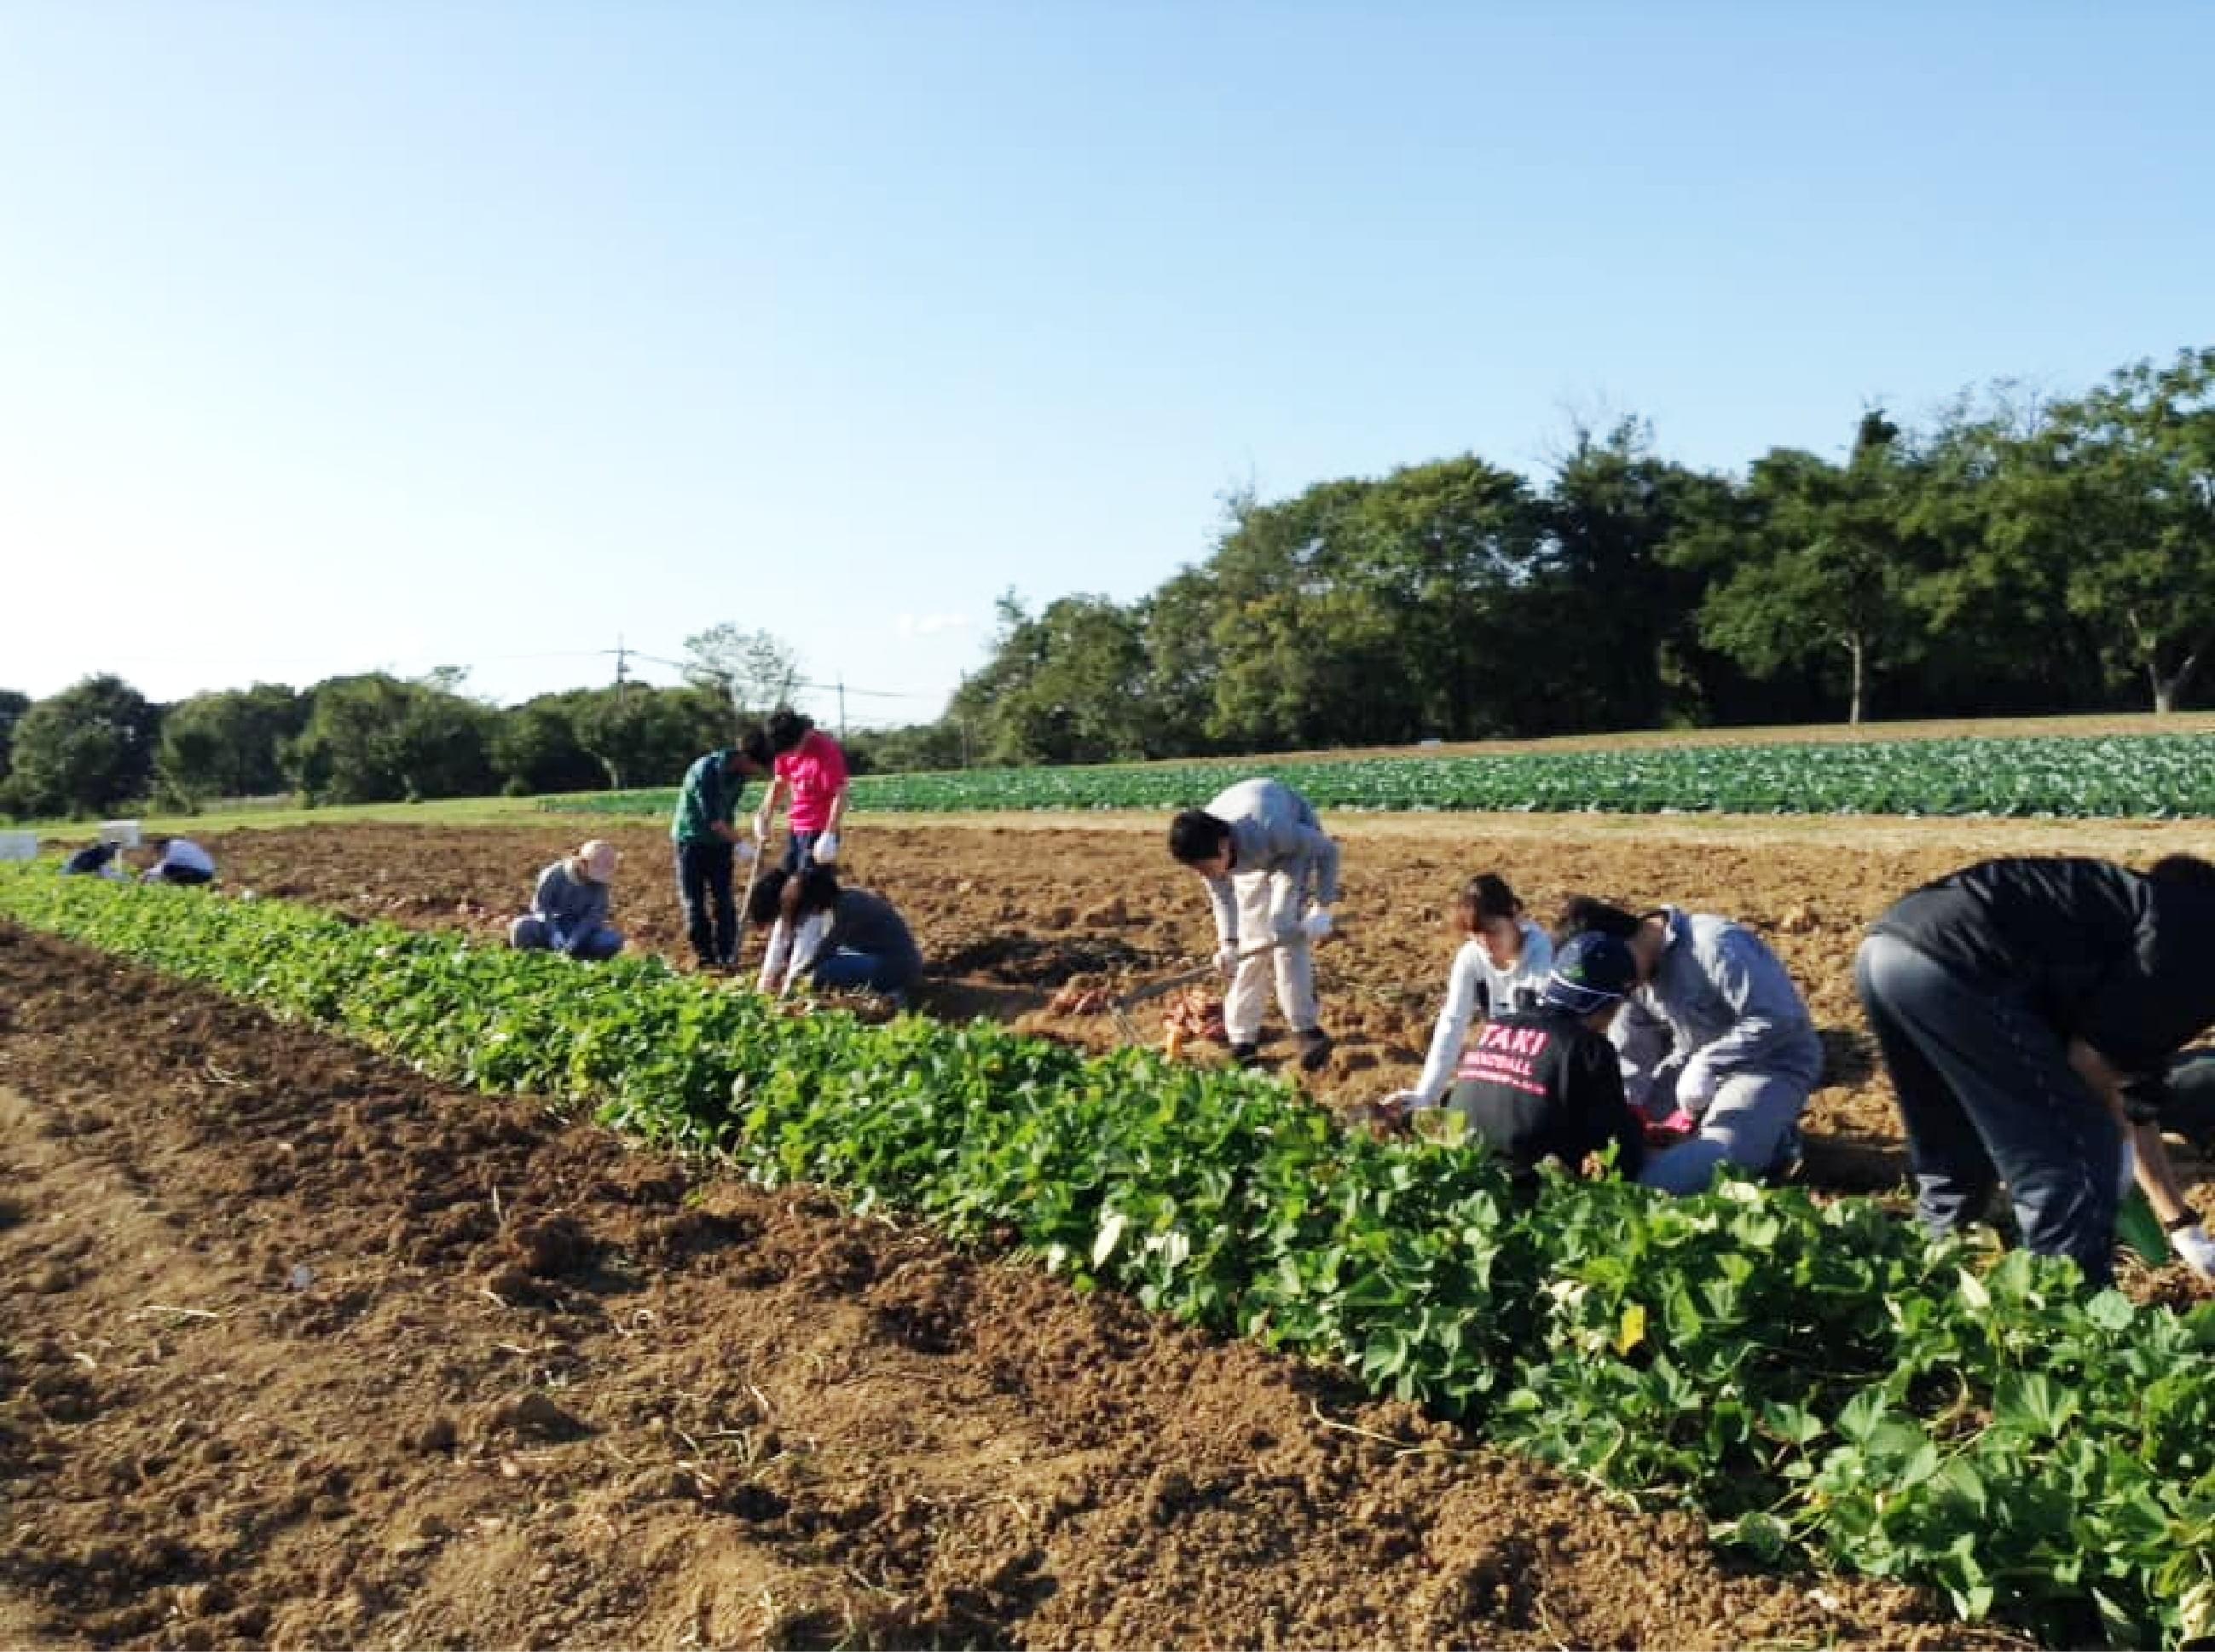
[1009, 909]
[299, 1350]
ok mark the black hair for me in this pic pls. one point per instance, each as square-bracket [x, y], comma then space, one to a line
[1583, 915]
[816, 889]
[754, 743]
[1196, 835]
[1488, 897]
[766, 895]
[2188, 870]
[785, 728]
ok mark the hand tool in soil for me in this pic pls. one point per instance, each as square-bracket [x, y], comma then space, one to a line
[1120, 1008]
[1128, 1030]
[745, 903]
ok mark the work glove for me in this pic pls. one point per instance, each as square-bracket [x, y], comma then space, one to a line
[1226, 959]
[1316, 924]
[827, 848]
[2128, 1174]
[2196, 1249]
[744, 853]
[761, 828]
[1696, 1084]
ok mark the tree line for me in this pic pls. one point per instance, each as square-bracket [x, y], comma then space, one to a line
[102, 745]
[2014, 556]
[2018, 555]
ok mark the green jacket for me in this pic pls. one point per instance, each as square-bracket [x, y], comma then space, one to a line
[710, 797]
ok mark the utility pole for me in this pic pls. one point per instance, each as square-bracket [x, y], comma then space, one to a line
[842, 708]
[621, 662]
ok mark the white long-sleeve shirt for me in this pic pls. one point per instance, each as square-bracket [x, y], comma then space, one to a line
[1473, 968]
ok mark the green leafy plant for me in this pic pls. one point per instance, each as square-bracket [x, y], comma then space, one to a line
[1820, 1379]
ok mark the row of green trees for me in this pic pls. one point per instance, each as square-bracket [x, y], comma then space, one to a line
[2016, 555]
[375, 738]
[101, 744]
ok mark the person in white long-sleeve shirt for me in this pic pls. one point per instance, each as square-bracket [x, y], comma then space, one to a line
[1500, 969]
[1272, 876]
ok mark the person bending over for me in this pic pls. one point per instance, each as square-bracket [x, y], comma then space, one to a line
[1264, 858]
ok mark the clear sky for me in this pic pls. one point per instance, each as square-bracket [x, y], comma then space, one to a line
[405, 332]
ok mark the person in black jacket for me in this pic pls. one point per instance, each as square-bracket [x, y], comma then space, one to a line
[1544, 1083]
[2028, 1011]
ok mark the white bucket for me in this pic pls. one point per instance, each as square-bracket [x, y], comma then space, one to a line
[19, 845]
[124, 834]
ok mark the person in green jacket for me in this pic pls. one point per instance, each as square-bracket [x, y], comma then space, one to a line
[710, 847]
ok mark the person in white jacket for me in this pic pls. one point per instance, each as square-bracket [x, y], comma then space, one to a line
[1500, 969]
[1272, 876]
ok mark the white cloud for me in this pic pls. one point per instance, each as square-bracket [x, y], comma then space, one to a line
[929, 625]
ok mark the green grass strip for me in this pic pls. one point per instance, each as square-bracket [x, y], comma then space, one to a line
[1817, 1378]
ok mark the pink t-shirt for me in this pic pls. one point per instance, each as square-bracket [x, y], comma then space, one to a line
[815, 769]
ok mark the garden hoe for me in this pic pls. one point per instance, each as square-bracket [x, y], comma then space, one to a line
[1128, 1030]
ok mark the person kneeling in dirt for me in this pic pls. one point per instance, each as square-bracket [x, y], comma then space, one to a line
[1742, 1054]
[175, 861]
[569, 908]
[1263, 855]
[2030, 1013]
[94, 861]
[846, 938]
[1501, 967]
[1543, 1082]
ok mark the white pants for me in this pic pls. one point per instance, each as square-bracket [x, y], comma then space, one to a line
[1269, 905]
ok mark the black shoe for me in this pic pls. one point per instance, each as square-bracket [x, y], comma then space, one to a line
[1245, 1056]
[1315, 1049]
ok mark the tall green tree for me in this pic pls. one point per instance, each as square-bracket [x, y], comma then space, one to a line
[376, 738]
[86, 750]
[2114, 499]
[644, 736]
[1067, 685]
[1621, 610]
[13, 705]
[536, 748]
[228, 743]
[1827, 561]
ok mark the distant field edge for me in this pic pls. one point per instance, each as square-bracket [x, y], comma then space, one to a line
[2165, 776]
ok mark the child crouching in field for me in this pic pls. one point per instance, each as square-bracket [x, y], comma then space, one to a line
[569, 908]
[834, 937]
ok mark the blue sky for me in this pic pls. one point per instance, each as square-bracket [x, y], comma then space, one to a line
[337, 336]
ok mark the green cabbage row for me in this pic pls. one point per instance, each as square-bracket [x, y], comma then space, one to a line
[1816, 1377]
[2154, 776]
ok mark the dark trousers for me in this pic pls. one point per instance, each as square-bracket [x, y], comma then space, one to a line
[1987, 1094]
[189, 876]
[703, 880]
[798, 852]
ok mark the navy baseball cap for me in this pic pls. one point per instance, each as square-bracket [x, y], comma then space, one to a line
[1590, 973]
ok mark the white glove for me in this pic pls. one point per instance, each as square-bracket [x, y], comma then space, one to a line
[761, 828]
[2129, 1174]
[1226, 957]
[1696, 1085]
[827, 848]
[1316, 924]
[744, 853]
[2196, 1250]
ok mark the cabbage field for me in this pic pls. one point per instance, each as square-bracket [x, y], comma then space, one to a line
[2147, 776]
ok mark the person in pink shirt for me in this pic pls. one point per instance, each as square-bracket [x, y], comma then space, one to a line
[810, 769]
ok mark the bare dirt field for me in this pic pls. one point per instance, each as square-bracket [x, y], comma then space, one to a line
[1010, 908]
[298, 1349]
